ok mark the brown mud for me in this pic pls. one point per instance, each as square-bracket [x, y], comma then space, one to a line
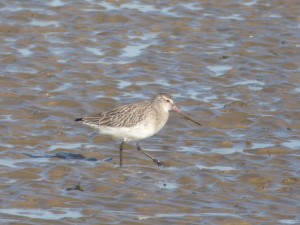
[231, 65]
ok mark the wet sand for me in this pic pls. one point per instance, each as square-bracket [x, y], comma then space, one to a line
[232, 65]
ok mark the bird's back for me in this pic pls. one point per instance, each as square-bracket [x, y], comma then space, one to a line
[123, 116]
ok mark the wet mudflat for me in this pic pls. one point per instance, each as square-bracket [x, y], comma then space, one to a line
[232, 65]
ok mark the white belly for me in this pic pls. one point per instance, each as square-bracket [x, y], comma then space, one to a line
[135, 133]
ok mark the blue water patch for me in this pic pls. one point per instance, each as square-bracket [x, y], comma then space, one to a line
[138, 6]
[220, 168]
[16, 163]
[8, 118]
[41, 23]
[219, 70]
[167, 185]
[191, 6]
[227, 151]
[144, 8]
[124, 83]
[293, 144]
[261, 145]
[59, 213]
[289, 221]
[297, 89]
[181, 215]
[20, 69]
[69, 146]
[249, 3]
[134, 50]
[55, 3]
[25, 51]
[232, 17]
[95, 51]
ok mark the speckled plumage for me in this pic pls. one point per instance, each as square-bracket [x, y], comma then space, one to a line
[151, 113]
[134, 121]
[123, 116]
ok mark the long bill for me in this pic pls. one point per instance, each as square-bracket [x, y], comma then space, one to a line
[175, 108]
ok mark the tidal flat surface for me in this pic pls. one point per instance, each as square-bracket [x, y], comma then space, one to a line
[232, 65]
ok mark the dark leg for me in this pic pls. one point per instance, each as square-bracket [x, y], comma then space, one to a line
[159, 163]
[121, 151]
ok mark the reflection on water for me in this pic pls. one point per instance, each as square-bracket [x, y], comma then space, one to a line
[44, 23]
[289, 221]
[219, 70]
[134, 50]
[221, 168]
[293, 144]
[56, 3]
[15, 163]
[57, 214]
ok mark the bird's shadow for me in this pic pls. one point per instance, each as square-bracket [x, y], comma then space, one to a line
[67, 156]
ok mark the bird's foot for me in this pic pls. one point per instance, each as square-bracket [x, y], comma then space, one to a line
[159, 163]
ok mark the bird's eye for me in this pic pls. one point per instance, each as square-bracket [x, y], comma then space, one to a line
[168, 100]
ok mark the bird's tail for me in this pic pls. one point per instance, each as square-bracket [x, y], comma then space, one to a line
[78, 119]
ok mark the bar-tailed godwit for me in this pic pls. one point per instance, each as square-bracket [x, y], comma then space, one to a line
[135, 122]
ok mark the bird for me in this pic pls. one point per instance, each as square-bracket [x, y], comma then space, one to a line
[134, 122]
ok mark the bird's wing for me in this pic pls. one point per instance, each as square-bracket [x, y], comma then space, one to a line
[123, 116]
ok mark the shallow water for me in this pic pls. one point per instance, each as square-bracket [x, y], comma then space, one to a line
[232, 65]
